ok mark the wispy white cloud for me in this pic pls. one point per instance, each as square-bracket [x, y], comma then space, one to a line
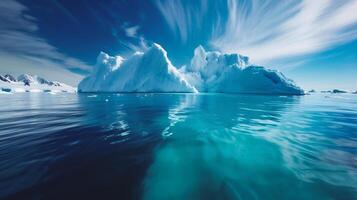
[131, 31]
[137, 41]
[141, 44]
[267, 30]
[19, 42]
[182, 17]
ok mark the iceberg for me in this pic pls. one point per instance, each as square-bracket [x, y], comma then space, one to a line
[232, 73]
[208, 71]
[28, 83]
[334, 91]
[149, 71]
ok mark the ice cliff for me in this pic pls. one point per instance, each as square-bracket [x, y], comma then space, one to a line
[152, 71]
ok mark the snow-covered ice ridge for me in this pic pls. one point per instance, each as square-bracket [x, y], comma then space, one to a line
[152, 71]
[28, 83]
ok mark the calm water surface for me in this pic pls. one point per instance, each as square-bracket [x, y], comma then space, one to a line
[178, 146]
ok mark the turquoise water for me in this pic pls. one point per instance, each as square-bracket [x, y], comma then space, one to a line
[178, 146]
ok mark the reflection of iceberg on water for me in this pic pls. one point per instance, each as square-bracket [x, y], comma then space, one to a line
[176, 114]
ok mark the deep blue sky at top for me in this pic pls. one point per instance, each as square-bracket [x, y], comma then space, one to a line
[312, 42]
[82, 28]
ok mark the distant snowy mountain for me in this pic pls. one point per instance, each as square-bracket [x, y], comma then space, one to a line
[28, 83]
[338, 91]
[152, 71]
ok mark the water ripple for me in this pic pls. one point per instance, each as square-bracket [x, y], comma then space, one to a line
[178, 146]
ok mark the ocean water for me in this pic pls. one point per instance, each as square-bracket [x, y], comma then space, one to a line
[178, 146]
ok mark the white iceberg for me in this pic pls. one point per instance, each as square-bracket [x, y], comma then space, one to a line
[232, 73]
[152, 71]
[28, 83]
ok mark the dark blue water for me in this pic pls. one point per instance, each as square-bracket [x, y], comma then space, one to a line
[178, 146]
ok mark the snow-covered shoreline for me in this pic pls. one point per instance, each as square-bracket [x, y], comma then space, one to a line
[28, 83]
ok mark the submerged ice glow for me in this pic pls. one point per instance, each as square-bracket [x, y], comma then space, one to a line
[178, 146]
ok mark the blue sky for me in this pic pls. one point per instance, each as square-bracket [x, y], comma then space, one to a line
[312, 42]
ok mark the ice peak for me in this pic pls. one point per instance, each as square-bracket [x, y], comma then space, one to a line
[102, 56]
[199, 50]
[150, 71]
[208, 71]
[10, 77]
[157, 49]
[106, 63]
[198, 60]
[26, 79]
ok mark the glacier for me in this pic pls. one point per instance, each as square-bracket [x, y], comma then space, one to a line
[208, 72]
[29, 83]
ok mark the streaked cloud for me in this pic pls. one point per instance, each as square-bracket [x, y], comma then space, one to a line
[136, 43]
[183, 17]
[64, 11]
[267, 30]
[131, 31]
